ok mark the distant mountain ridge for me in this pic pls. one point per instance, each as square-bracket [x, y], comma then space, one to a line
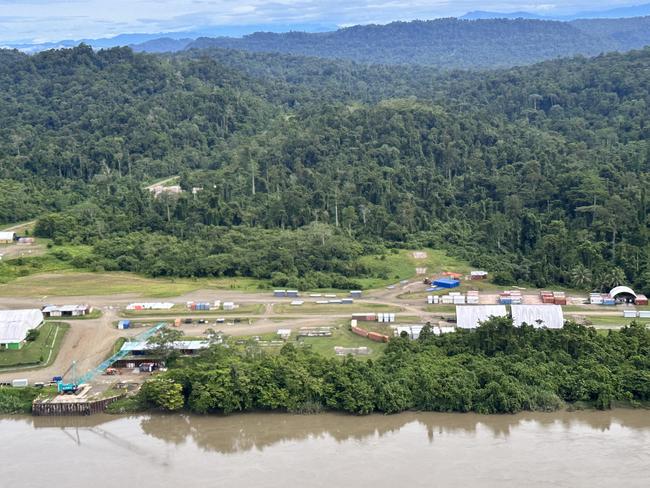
[614, 13]
[136, 39]
[452, 43]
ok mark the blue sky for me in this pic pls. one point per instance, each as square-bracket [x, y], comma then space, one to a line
[50, 20]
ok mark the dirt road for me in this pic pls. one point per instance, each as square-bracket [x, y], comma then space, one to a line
[88, 342]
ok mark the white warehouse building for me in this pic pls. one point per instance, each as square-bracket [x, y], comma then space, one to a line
[14, 325]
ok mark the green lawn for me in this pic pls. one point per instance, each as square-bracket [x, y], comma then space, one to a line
[37, 353]
[182, 311]
[607, 321]
[343, 337]
[65, 282]
[314, 308]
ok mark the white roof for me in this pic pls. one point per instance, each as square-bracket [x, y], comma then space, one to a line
[64, 308]
[14, 324]
[7, 236]
[621, 289]
[551, 316]
[469, 316]
[181, 345]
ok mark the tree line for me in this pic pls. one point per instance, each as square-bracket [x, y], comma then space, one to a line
[496, 369]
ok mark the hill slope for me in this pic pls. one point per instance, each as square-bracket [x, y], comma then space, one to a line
[451, 43]
[538, 172]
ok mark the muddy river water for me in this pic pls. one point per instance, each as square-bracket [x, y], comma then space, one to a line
[579, 449]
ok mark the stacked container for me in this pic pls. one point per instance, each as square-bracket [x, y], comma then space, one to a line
[547, 296]
[559, 298]
[366, 317]
[472, 297]
[512, 297]
[595, 298]
[607, 300]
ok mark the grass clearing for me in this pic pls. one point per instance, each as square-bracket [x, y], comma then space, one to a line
[182, 311]
[342, 336]
[611, 322]
[314, 308]
[64, 282]
[392, 267]
[37, 353]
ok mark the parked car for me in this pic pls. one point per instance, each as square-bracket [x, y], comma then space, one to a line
[187, 321]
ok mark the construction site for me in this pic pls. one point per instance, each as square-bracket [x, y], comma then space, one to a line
[107, 352]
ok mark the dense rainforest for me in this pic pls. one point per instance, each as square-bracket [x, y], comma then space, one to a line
[445, 43]
[496, 369]
[299, 166]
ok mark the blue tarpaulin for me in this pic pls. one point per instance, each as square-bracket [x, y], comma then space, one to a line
[446, 283]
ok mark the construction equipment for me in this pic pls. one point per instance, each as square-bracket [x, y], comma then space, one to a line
[68, 388]
[73, 386]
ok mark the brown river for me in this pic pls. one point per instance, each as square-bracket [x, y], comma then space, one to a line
[580, 449]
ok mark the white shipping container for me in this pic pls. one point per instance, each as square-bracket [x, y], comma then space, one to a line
[353, 323]
[629, 314]
[644, 314]
[380, 317]
[21, 383]
[392, 317]
[429, 299]
[436, 299]
[446, 299]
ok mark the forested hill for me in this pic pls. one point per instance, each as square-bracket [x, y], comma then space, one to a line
[452, 43]
[539, 174]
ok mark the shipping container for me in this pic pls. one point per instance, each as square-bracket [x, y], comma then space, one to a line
[629, 314]
[20, 383]
[644, 314]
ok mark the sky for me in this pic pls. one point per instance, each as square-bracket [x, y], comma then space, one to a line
[52, 20]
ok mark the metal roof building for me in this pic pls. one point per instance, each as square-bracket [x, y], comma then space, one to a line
[470, 316]
[14, 325]
[549, 316]
[622, 290]
[7, 237]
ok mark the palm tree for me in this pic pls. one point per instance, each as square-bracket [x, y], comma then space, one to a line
[614, 276]
[581, 277]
